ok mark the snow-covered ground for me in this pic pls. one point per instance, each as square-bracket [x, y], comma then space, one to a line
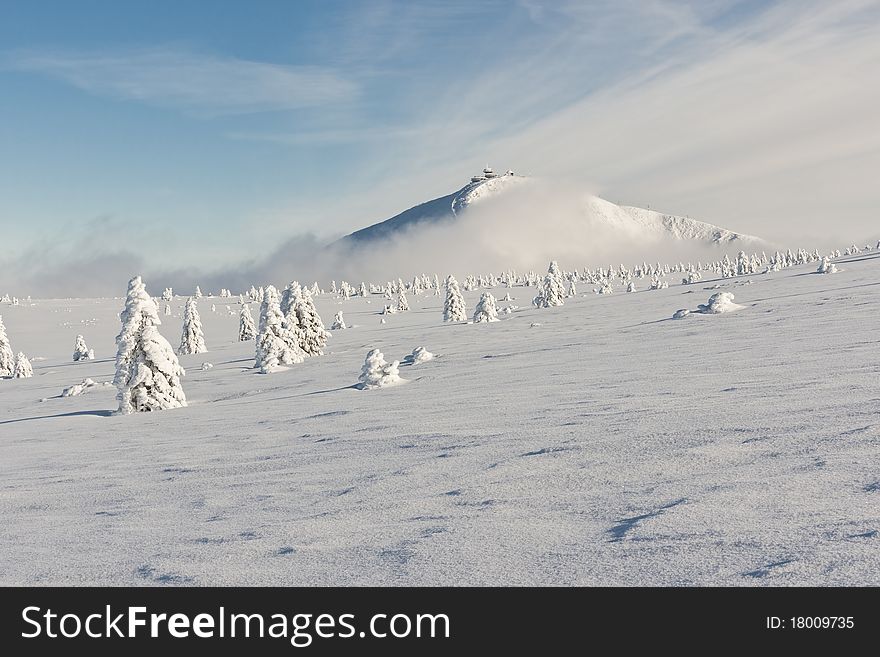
[600, 442]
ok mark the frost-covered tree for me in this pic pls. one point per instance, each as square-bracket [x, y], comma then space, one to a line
[22, 368]
[168, 310]
[192, 341]
[436, 286]
[168, 294]
[556, 273]
[631, 287]
[275, 346]
[551, 292]
[486, 310]
[246, 329]
[314, 335]
[338, 322]
[827, 267]
[362, 290]
[453, 307]
[147, 371]
[659, 284]
[289, 296]
[402, 303]
[198, 294]
[7, 356]
[572, 289]
[376, 373]
[81, 351]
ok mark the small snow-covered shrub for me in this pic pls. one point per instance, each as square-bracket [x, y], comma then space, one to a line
[657, 283]
[827, 267]
[681, 314]
[338, 322]
[377, 373]
[81, 350]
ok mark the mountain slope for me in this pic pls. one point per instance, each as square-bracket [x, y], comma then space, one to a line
[630, 221]
[440, 209]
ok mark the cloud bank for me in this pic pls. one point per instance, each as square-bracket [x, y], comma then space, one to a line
[521, 229]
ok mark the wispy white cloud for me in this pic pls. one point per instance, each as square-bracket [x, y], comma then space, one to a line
[196, 82]
[767, 125]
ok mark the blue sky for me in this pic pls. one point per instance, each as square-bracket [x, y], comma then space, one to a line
[208, 132]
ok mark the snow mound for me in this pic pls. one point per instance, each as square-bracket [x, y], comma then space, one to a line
[681, 314]
[419, 355]
[80, 388]
[720, 302]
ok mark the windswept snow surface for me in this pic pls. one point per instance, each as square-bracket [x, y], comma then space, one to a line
[599, 442]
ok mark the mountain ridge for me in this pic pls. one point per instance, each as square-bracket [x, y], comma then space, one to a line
[632, 221]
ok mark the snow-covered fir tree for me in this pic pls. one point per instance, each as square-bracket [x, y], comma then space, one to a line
[402, 303]
[572, 289]
[556, 273]
[377, 373]
[631, 287]
[486, 310]
[246, 329]
[168, 310]
[192, 341]
[292, 333]
[289, 296]
[338, 322]
[198, 293]
[81, 351]
[453, 307]
[168, 294]
[362, 290]
[314, 335]
[274, 345]
[22, 368]
[147, 370]
[7, 356]
[551, 293]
